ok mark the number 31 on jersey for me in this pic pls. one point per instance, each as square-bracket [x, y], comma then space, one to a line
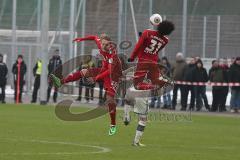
[154, 47]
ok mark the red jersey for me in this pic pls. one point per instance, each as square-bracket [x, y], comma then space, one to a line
[148, 46]
[97, 41]
[111, 64]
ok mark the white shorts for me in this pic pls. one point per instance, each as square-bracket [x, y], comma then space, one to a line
[141, 106]
[139, 99]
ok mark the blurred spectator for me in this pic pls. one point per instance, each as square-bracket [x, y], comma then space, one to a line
[234, 76]
[80, 87]
[231, 99]
[155, 97]
[37, 71]
[188, 76]
[218, 74]
[197, 58]
[233, 60]
[3, 78]
[123, 84]
[200, 75]
[88, 82]
[100, 84]
[177, 71]
[199, 99]
[166, 95]
[19, 70]
[54, 66]
[225, 67]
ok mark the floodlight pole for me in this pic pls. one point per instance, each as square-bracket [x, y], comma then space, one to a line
[150, 11]
[120, 19]
[204, 35]
[184, 27]
[39, 7]
[83, 25]
[44, 53]
[71, 27]
[60, 37]
[164, 50]
[78, 13]
[218, 36]
[14, 38]
[125, 18]
[134, 20]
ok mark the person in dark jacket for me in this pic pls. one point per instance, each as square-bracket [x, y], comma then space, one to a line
[54, 66]
[219, 75]
[88, 83]
[200, 75]
[154, 93]
[234, 76]
[122, 88]
[19, 70]
[177, 75]
[37, 70]
[80, 87]
[166, 95]
[188, 77]
[3, 78]
[225, 67]
[100, 85]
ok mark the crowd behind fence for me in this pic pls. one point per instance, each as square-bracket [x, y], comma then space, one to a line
[193, 76]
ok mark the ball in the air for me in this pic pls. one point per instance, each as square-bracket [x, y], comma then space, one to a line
[155, 19]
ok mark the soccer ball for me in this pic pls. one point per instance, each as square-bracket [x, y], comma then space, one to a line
[155, 19]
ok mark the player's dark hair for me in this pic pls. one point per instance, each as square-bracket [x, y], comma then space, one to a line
[200, 61]
[165, 27]
[20, 56]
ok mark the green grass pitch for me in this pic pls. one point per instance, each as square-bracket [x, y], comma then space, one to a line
[32, 132]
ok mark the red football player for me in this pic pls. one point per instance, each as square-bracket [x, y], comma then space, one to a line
[146, 50]
[110, 72]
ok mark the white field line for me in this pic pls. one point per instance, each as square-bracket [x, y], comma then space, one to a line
[101, 149]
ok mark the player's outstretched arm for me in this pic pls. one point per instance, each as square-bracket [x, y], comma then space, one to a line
[88, 38]
[137, 47]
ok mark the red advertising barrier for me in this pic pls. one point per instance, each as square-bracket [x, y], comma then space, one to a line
[231, 84]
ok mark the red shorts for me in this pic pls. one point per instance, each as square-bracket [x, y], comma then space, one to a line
[149, 70]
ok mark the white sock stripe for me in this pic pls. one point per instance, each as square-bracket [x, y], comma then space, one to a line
[142, 123]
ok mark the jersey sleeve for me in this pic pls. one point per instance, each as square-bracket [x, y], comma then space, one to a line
[138, 45]
[89, 38]
[166, 42]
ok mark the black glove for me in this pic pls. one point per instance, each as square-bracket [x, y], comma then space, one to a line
[130, 60]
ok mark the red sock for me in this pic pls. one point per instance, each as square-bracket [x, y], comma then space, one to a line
[112, 112]
[73, 77]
